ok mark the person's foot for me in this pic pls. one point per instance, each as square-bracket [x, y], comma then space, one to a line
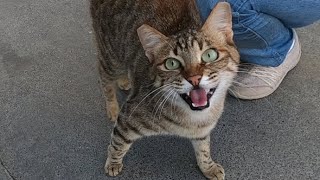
[254, 81]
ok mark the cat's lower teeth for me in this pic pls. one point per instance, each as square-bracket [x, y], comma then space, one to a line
[194, 105]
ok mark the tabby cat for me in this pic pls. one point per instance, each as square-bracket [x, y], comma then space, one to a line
[178, 72]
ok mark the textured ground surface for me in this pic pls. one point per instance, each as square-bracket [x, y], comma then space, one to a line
[53, 124]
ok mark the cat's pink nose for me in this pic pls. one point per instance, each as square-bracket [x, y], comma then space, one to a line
[194, 80]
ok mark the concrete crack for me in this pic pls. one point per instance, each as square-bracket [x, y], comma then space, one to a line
[6, 170]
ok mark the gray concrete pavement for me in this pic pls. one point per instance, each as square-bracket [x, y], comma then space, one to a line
[53, 124]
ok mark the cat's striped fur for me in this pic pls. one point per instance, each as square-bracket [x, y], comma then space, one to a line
[135, 39]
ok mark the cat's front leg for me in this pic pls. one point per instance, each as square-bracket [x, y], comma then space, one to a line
[209, 168]
[119, 146]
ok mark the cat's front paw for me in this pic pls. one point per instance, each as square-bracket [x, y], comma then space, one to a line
[113, 169]
[215, 172]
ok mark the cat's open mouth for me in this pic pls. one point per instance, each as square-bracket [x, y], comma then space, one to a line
[198, 98]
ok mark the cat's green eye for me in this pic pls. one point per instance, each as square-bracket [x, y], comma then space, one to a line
[209, 55]
[172, 64]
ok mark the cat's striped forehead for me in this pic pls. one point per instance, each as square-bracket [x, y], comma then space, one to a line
[188, 41]
[188, 47]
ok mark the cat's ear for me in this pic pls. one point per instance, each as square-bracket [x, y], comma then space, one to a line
[220, 19]
[150, 39]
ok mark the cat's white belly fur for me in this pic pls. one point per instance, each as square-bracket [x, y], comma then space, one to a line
[198, 124]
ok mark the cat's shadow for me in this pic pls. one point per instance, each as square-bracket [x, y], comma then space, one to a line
[173, 156]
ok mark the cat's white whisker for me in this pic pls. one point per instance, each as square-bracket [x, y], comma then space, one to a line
[173, 101]
[233, 92]
[162, 100]
[155, 90]
[166, 99]
[269, 79]
[160, 90]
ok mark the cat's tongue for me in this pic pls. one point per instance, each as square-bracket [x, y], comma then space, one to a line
[198, 97]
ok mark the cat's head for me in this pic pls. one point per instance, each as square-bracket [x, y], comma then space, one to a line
[199, 65]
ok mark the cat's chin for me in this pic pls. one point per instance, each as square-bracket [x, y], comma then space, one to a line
[198, 107]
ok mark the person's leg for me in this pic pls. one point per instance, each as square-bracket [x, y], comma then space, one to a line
[264, 36]
[205, 7]
[261, 39]
[293, 13]
[264, 39]
[262, 28]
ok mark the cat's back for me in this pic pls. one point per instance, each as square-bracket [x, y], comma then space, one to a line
[121, 18]
[159, 14]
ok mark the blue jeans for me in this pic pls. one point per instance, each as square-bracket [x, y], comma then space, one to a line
[263, 28]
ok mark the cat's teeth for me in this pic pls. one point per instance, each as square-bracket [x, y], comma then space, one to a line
[198, 106]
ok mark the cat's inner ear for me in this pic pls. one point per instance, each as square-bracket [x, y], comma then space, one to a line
[151, 40]
[220, 19]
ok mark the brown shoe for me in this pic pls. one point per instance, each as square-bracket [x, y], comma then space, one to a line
[255, 82]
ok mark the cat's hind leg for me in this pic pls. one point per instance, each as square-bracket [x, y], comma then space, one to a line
[124, 82]
[109, 86]
[112, 105]
[209, 168]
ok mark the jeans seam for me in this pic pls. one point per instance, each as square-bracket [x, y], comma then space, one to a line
[239, 21]
[275, 54]
[238, 7]
[246, 27]
[254, 5]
